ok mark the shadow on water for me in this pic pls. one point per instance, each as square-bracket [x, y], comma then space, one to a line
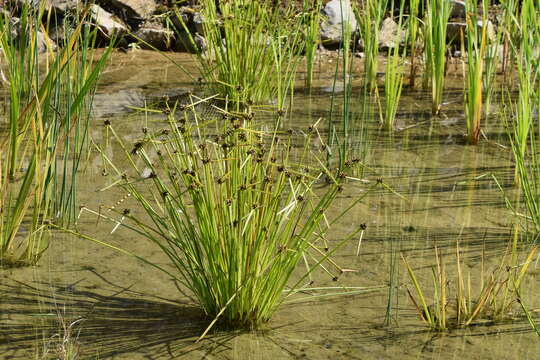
[110, 325]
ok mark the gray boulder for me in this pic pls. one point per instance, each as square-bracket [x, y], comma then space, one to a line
[198, 23]
[106, 22]
[132, 12]
[459, 10]
[454, 30]
[154, 36]
[389, 36]
[192, 43]
[43, 42]
[337, 14]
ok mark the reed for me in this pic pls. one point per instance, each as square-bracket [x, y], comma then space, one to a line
[509, 26]
[234, 213]
[47, 93]
[23, 208]
[435, 24]
[520, 120]
[393, 83]
[344, 69]
[67, 110]
[369, 18]
[251, 50]
[413, 27]
[476, 49]
[312, 19]
[528, 176]
[493, 300]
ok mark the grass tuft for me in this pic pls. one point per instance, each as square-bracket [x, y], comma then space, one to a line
[234, 212]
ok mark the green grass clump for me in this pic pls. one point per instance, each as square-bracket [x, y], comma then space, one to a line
[312, 19]
[251, 49]
[369, 17]
[234, 212]
[459, 303]
[476, 50]
[413, 27]
[519, 117]
[47, 122]
[435, 24]
[393, 83]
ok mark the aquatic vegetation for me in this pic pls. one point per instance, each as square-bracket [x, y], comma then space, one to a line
[64, 345]
[48, 120]
[526, 65]
[435, 25]
[510, 29]
[251, 50]
[312, 15]
[369, 17]
[528, 314]
[413, 27]
[476, 49]
[234, 212]
[492, 61]
[493, 300]
[519, 118]
[528, 177]
[393, 83]
[341, 142]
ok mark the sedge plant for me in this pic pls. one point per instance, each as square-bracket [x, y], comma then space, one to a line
[476, 50]
[345, 118]
[413, 27]
[510, 28]
[527, 174]
[459, 303]
[369, 17]
[435, 25]
[68, 112]
[312, 15]
[37, 184]
[520, 123]
[251, 50]
[233, 212]
[393, 83]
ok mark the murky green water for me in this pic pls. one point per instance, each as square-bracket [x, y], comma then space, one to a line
[131, 311]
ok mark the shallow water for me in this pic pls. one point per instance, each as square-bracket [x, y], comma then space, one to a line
[132, 311]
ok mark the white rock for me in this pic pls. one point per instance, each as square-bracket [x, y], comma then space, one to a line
[337, 13]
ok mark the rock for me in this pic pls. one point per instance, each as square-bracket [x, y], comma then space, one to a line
[184, 42]
[55, 11]
[132, 12]
[44, 43]
[388, 35]
[454, 29]
[106, 22]
[59, 6]
[453, 32]
[154, 36]
[458, 10]
[336, 12]
[198, 23]
[179, 19]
